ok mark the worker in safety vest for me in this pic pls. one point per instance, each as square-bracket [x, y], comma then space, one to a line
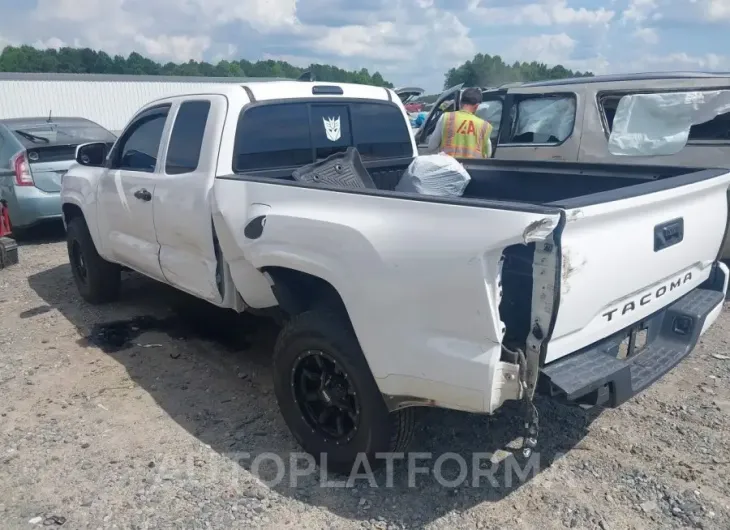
[461, 134]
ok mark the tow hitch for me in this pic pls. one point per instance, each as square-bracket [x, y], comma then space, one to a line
[8, 246]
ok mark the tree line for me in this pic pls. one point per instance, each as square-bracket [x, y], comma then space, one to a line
[486, 70]
[88, 61]
[482, 70]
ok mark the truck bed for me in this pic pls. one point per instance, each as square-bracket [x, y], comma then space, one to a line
[549, 258]
[558, 184]
[564, 184]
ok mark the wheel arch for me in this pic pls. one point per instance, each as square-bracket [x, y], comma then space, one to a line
[72, 209]
[297, 291]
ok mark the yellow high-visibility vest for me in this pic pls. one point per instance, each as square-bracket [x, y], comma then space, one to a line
[465, 135]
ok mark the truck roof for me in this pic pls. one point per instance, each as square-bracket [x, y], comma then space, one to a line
[273, 90]
[304, 89]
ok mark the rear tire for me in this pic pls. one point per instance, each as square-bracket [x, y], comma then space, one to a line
[323, 338]
[97, 280]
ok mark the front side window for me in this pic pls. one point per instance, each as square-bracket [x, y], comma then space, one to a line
[542, 120]
[137, 150]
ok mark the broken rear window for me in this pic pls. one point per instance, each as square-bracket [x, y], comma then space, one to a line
[663, 123]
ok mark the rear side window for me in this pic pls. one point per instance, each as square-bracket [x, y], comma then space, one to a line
[293, 134]
[186, 140]
[542, 120]
[716, 129]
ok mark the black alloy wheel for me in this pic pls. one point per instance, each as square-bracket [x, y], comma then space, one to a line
[326, 398]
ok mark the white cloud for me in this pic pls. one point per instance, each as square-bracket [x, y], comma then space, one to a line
[179, 30]
[678, 61]
[408, 41]
[52, 43]
[176, 47]
[263, 14]
[639, 11]
[75, 10]
[550, 49]
[717, 10]
[5, 42]
[541, 13]
[648, 35]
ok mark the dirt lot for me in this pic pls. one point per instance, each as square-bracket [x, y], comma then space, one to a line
[144, 424]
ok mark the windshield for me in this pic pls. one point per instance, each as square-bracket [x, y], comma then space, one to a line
[76, 132]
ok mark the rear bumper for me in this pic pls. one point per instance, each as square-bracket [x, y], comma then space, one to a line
[29, 206]
[596, 376]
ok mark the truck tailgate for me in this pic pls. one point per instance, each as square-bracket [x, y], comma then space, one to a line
[623, 260]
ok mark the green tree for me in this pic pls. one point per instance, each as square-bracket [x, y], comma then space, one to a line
[85, 60]
[486, 70]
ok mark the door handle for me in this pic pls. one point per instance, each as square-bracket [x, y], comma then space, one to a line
[143, 195]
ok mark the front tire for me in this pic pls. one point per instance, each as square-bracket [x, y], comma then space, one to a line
[97, 280]
[329, 398]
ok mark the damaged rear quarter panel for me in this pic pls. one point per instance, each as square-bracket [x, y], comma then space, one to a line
[419, 279]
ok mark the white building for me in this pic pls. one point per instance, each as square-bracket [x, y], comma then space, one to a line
[109, 100]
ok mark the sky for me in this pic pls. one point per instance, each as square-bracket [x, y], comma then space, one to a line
[410, 42]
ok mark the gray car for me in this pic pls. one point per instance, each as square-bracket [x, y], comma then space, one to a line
[34, 155]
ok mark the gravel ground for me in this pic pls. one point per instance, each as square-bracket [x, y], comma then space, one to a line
[145, 423]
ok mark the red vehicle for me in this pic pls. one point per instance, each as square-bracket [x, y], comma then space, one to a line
[408, 95]
[415, 106]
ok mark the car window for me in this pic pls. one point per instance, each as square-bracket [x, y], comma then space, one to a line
[491, 111]
[379, 131]
[542, 120]
[330, 129]
[715, 130]
[63, 131]
[137, 150]
[662, 123]
[272, 136]
[8, 148]
[186, 139]
[293, 134]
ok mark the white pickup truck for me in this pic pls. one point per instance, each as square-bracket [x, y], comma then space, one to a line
[587, 282]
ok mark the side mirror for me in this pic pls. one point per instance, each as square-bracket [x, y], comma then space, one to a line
[92, 154]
